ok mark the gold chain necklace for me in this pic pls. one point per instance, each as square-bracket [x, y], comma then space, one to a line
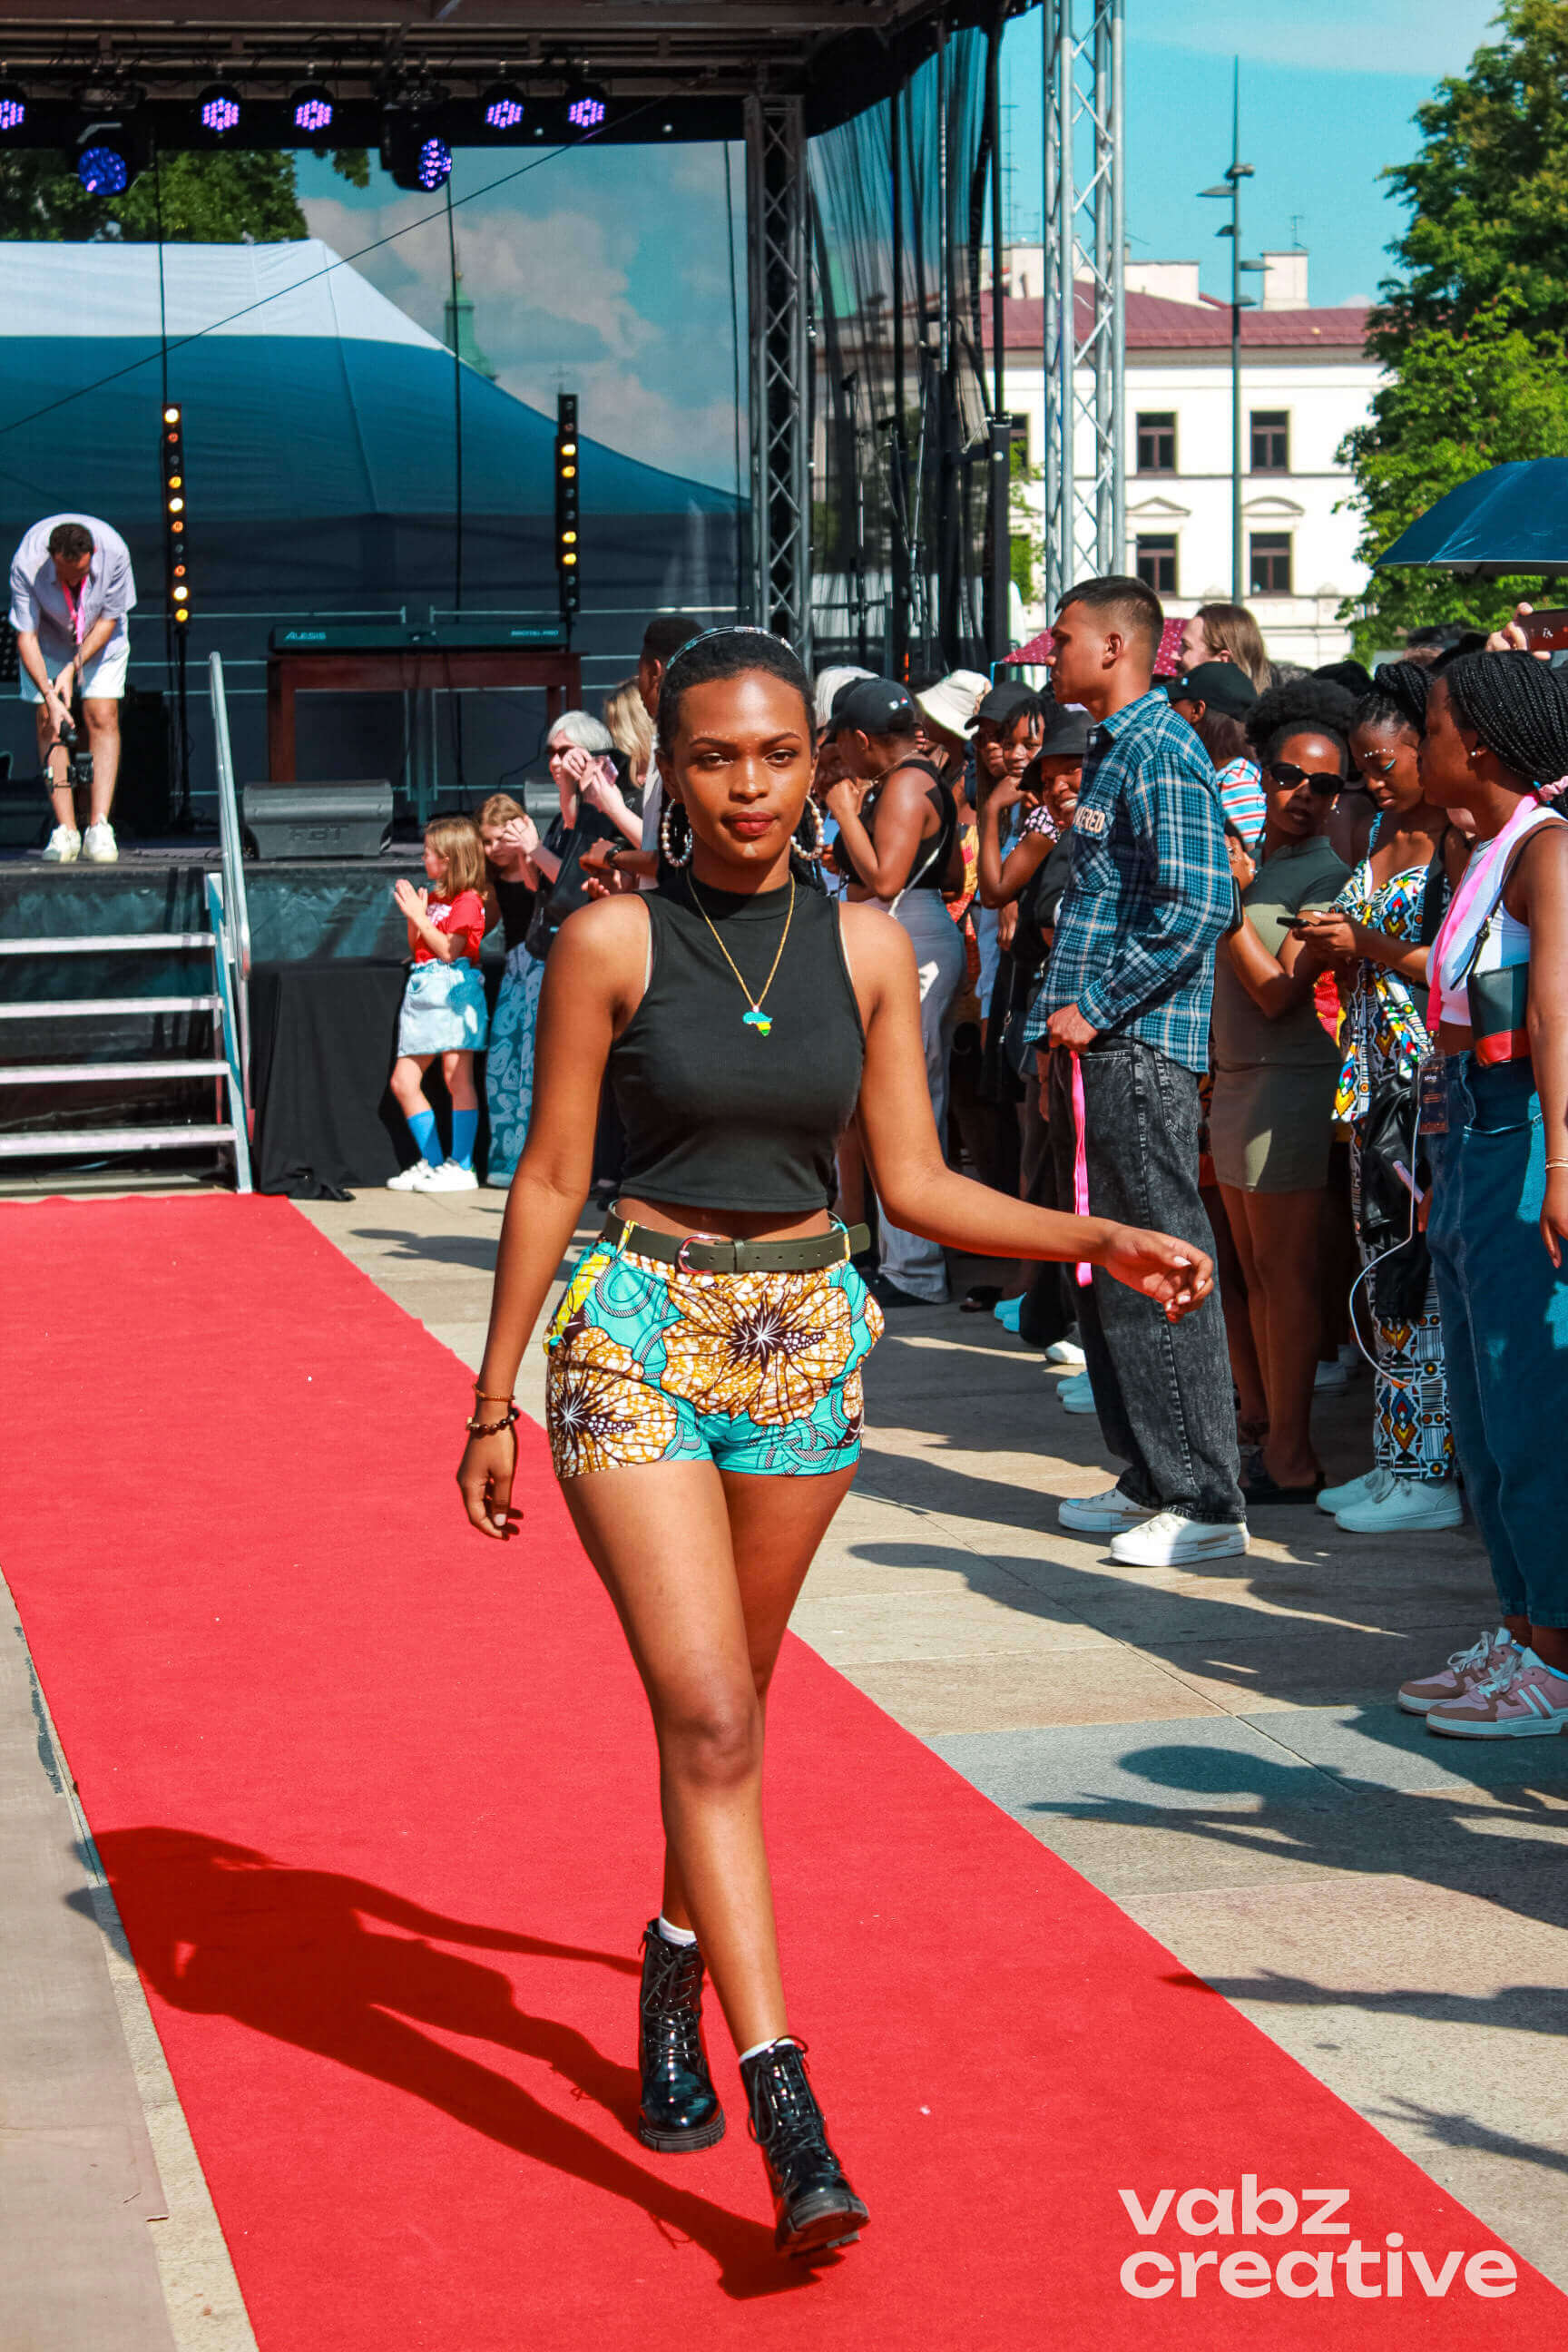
[756, 1018]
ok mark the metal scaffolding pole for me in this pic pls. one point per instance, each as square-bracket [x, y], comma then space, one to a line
[1085, 309]
[777, 196]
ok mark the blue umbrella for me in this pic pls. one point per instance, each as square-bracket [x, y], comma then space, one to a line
[1511, 519]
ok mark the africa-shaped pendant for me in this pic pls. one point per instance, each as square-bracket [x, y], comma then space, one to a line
[757, 1020]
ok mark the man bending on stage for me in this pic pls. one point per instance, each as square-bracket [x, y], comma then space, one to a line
[71, 588]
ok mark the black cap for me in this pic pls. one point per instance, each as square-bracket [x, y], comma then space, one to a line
[873, 706]
[1222, 686]
[1067, 733]
[1005, 702]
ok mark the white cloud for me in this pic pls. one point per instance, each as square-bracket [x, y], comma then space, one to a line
[619, 408]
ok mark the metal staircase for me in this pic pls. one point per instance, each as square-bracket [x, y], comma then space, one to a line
[227, 944]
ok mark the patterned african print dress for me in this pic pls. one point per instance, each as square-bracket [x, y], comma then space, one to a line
[1386, 1036]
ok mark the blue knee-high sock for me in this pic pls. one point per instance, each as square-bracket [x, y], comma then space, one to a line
[465, 1126]
[422, 1127]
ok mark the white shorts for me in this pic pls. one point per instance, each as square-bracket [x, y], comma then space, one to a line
[103, 680]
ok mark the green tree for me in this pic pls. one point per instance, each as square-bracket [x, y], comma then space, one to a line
[203, 199]
[1472, 332]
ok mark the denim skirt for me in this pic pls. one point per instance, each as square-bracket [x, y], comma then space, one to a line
[443, 1010]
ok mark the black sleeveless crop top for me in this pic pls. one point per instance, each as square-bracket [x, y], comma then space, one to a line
[929, 871]
[715, 1113]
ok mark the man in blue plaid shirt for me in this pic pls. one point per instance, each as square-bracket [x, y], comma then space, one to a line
[1125, 1010]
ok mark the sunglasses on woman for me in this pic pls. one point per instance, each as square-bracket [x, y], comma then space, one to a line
[1324, 782]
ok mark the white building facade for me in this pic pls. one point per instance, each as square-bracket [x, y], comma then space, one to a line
[1306, 382]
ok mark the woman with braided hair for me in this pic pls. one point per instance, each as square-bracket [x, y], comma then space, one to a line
[1495, 1128]
[704, 1393]
[1375, 936]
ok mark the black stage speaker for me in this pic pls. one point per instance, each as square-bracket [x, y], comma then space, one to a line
[318, 820]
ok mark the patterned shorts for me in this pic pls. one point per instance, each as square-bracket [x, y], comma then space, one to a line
[757, 1372]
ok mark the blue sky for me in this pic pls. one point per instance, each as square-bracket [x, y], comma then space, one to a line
[1327, 91]
[606, 270]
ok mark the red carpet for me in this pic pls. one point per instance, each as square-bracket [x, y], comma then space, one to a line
[377, 1798]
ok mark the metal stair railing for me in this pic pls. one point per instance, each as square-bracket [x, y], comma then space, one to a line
[231, 922]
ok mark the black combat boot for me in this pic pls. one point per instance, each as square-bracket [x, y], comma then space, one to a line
[815, 2208]
[679, 2106]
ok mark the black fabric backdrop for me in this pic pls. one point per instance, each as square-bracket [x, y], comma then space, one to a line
[324, 1040]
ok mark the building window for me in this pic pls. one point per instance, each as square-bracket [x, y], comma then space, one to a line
[1157, 560]
[1157, 442]
[1270, 441]
[1270, 564]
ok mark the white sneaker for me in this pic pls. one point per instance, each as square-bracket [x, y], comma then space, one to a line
[1406, 1506]
[448, 1178]
[1167, 1540]
[407, 1179]
[1066, 1352]
[64, 846]
[1101, 1515]
[1354, 1491]
[1077, 1395]
[101, 848]
[1331, 1376]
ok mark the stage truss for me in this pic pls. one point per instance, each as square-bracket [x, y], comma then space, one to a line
[1085, 330]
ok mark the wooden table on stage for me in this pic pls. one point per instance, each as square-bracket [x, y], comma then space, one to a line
[402, 670]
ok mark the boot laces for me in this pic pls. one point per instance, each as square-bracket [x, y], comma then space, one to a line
[672, 2004]
[785, 2120]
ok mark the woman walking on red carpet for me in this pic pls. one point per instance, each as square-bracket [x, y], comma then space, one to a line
[704, 1397]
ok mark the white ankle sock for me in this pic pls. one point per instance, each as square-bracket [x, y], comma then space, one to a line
[675, 1935]
[757, 2048]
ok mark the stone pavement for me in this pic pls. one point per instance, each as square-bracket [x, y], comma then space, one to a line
[1220, 1753]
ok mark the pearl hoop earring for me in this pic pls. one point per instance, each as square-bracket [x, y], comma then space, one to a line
[817, 850]
[667, 834]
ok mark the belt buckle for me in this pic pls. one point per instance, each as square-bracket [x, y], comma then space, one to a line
[681, 1266]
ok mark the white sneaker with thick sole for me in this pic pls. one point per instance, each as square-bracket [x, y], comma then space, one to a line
[98, 846]
[448, 1178]
[1355, 1491]
[407, 1179]
[1167, 1540]
[1101, 1515]
[1066, 1351]
[1406, 1506]
[1077, 1395]
[63, 847]
[1331, 1376]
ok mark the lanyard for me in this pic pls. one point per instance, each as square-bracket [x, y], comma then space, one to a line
[74, 606]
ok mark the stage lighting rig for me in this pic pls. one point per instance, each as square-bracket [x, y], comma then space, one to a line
[218, 109]
[104, 167]
[502, 107]
[567, 476]
[312, 108]
[412, 148]
[176, 558]
[111, 143]
[13, 105]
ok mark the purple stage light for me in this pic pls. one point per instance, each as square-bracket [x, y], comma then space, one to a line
[220, 114]
[102, 172]
[13, 113]
[504, 113]
[587, 114]
[312, 114]
[434, 163]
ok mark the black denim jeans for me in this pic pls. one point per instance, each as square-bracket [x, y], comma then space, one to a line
[1162, 1391]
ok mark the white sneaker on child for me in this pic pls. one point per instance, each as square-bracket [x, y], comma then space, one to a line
[450, 1177]
[407, 1179]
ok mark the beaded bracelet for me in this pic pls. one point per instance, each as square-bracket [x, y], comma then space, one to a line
[492, 1428]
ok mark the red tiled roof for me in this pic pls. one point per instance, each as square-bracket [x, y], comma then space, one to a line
[1154, 324]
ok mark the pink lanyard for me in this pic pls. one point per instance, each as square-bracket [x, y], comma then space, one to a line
[1080, 1165]
[74, 607]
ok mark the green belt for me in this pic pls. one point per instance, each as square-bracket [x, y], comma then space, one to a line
[710, 1254]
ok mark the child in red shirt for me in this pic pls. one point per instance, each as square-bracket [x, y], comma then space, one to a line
[443, 1004]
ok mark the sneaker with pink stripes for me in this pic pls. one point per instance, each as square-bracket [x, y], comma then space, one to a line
[1464, 1670]
[1525, 1699]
